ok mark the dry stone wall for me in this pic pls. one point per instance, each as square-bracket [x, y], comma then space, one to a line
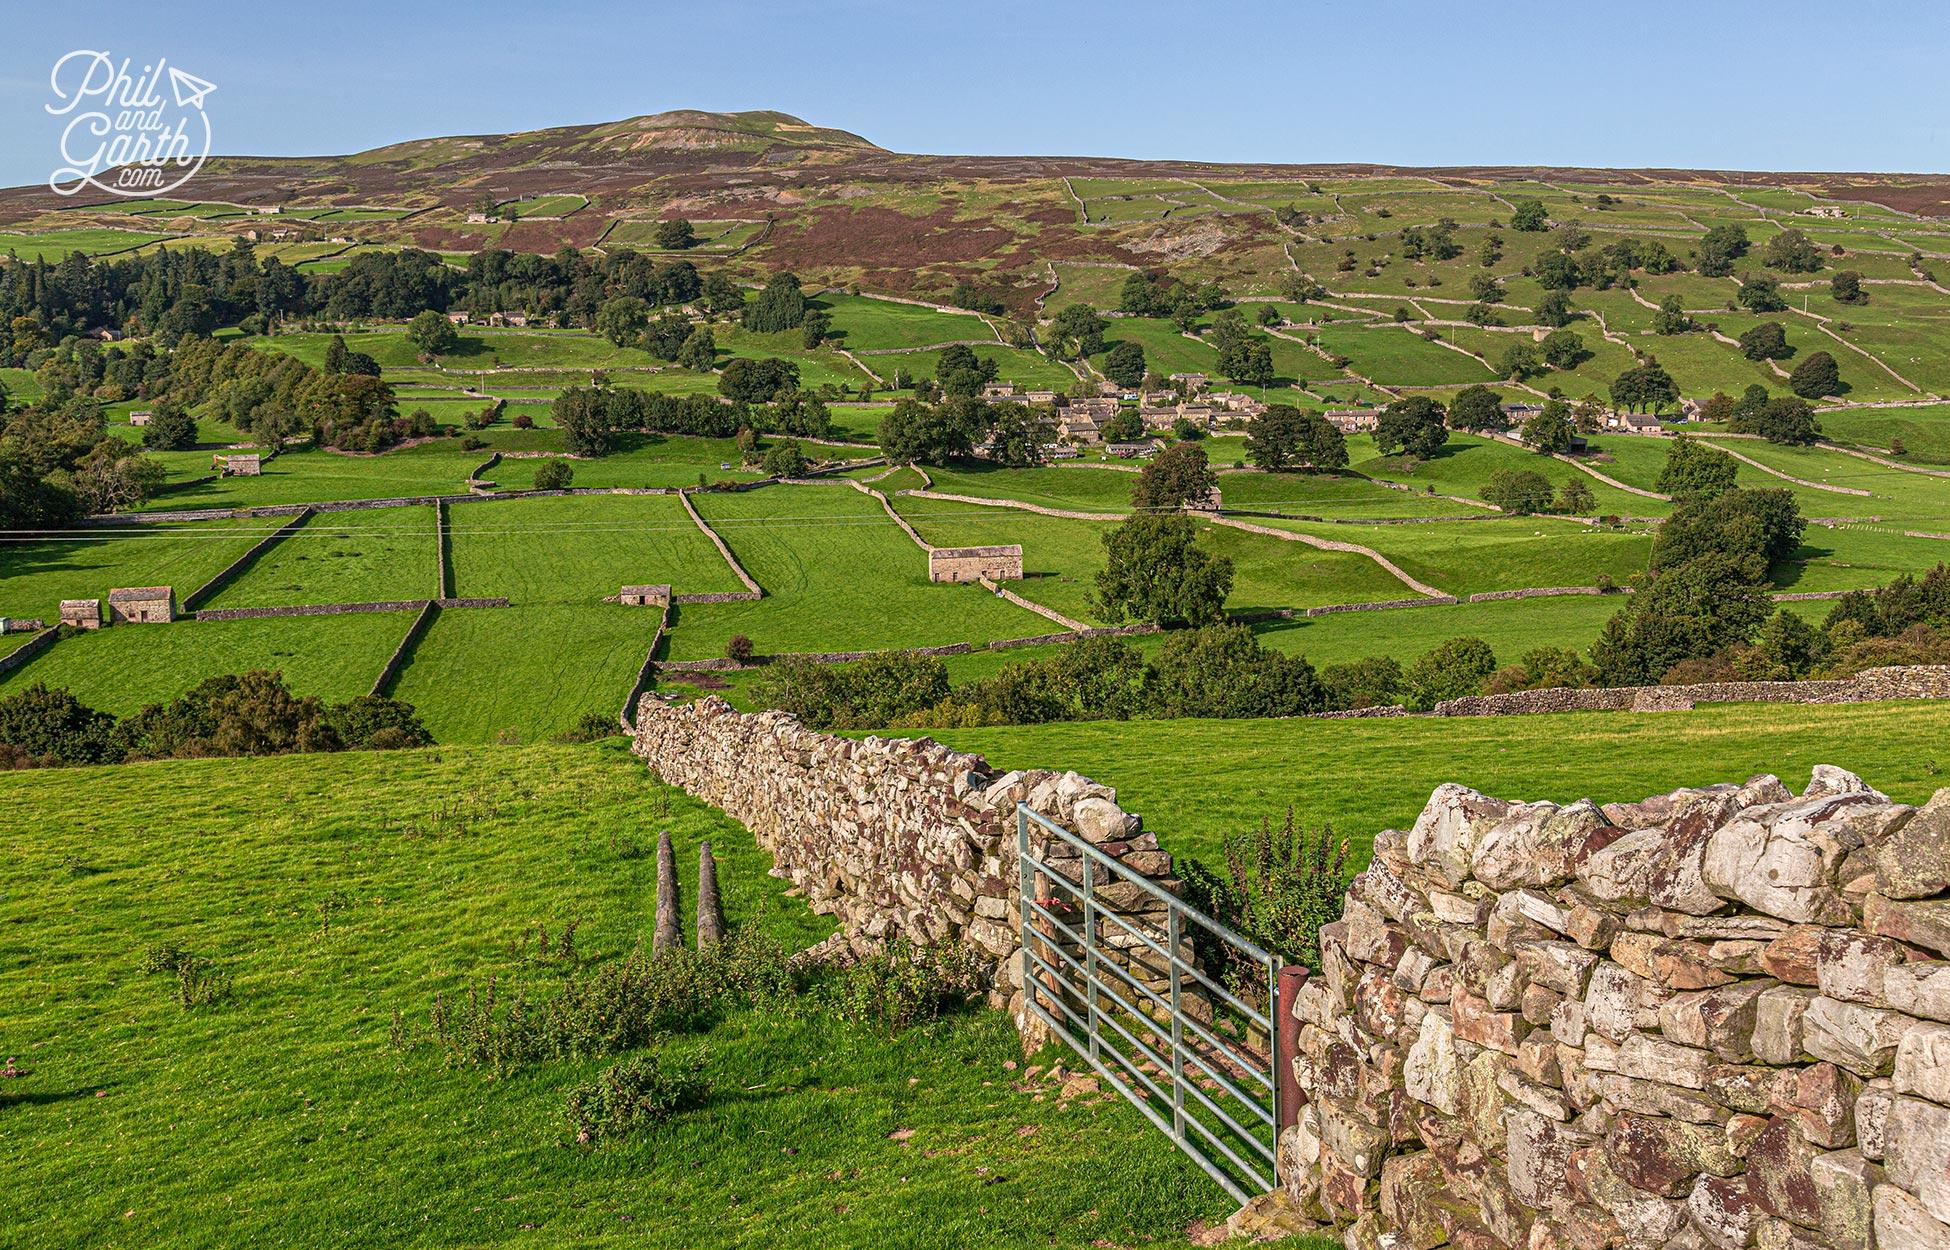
[1716, 1018]
[894, 837]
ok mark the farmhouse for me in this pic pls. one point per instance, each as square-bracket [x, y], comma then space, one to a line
[1353, 420]
[1634, 423]
[1039, 397]
[1210, 503]
[1083, 428]
[1193, 380]
[457, 318]
[477, 219]
[82, 613]
[269, 210]
[645, 596]
[140, 418]
[998, 390]
[508, 319]
[972, 564]
[19, 625]
[249, 465]
[142, 605]
[1828, 210]
[1130, 451]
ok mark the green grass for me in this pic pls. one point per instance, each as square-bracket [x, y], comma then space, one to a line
[644, 461]
[546, 206]
[120, 669]
[285, 1117]
[312, 475]
[54, 245]
[476, 350]
[580, 549]
[1924, 431]
[1027, 369]
[524, 672]
[86, 564]
[1385, 769]
[867, 324]
[838, 576]
[367, 556]
[1503, 553]
[1402, 358]
[1464, 464]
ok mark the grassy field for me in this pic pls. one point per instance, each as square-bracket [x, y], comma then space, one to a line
[367, 556]
[838, 576]
[1365, 776]
[866, 324]
[311, 475]
[336, 890]
[54, 245]
[120, 669]
[36, 574]
[522, 674]
[581, 548]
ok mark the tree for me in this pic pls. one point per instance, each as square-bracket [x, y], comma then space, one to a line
[700, 350]
[1284, 438]
[1686, 613]
[622, 319]
[1816, 376]
[664, 338]
[1792, 251]
[1248, 360]
[1139, 296]
[1017, 434]
[1761, 527]
[1556, 271]
[1485, 289]
[1846, 288]
[54, 724]
[1644, 388]
[1454, 669]
[432, 333]
[1554, 309]
[1372, 682]
[784, 458]
[1124, 426]
[747, 381]
[1564, 349]
[1186, 430]
[1519, 361]
[1411, 426]
[1761, 294]
[1529, 217]
[1221, 671]
[1125, 363]
[1574, 498]
[1477, 409]
[1175, 478]
[170, 428]
[1694, 469]
[554, 475]
[1719, 248]
[1519, 492]
[676, 235]
[1156, 571]
[1549, 431]
[1671, 317]
[815, 328]
[917, 433]
[780, 306]
[1077, 331]
[335, 354]
[722, 296]
[1766, 341]
[1786, 419]
[583, 415]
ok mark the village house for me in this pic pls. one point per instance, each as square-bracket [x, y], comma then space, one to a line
[645, 596]
[1212, 502]
[1157, 418]
[1038, 397]
[1130, 451]
[477, 219]
[1516, 414]
[1194, 381]
[270, 210]
[457, 318]
[998, 390]
[1079, 428]
[1056, 451]
[141, 417]
[82, 613]
[142, 605]
[20, 625]
[1828, 210]
[508, 319]
[247, 465]
[1353, 420]
[1237, 401]
[972, 564]
[1634, 423]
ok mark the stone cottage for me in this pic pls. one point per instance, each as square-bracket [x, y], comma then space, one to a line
[142, 605]
[82, 613]
[645, 596]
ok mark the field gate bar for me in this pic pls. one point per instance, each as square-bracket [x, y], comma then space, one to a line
[1111, 963]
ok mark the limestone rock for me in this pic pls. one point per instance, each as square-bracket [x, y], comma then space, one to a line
[1915, 1155]
[1662, 1155]
[1674, 964]
[1534, 845]
[1872, 1117]
[1778, 1177]
[1617, 1001]
[1861, 1039]
[1828, 779]
[1720, 1020]
[1792, 956]
[1453, 822]
[1850, 966]
[1723, 1211]
[1783, 859]
[1821, 1100]
[1902, 1223]
[1844, 1184]
[1923, 1064]
[1919, 989]
[1778, 1023]
[1914, 860]
[1923, 922]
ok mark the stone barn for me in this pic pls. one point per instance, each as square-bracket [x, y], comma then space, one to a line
[972, 564]
[82, 613]
[238, 466]
[142, 605]
[140, 418]
[645, 596]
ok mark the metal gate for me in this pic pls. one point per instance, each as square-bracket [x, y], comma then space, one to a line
[1119, 980]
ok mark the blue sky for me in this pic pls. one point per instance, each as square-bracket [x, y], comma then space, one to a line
[1786, 85]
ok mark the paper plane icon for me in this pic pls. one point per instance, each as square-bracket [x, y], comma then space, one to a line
[189, 89]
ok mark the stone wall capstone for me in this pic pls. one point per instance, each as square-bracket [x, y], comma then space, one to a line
[892, 837]
[1717, 1018]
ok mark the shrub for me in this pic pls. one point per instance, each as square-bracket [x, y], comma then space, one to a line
[522, 421]
[593, 727]
[554, 475]
[903, 985]
[1450, 670]
[473, 443]
[633, 1094]
[1275, 889]
[739, 649]
[54, 725]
